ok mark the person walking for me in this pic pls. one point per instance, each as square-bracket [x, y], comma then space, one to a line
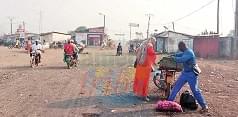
[187, 57]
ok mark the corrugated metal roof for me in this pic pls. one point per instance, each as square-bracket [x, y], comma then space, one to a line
[165, 33]
[42, 34]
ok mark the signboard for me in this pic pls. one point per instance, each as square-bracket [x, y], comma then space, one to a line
[96, 30]
[21, 33]
[94, 36]
[134, 25]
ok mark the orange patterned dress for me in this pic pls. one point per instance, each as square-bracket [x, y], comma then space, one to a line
[143, 72]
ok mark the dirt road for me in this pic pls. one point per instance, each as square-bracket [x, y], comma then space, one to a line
[100, 86]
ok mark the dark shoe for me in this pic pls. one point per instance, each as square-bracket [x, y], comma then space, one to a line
[204, 110]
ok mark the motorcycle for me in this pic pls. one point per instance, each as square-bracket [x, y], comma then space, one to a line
[70, 61]
[132, 51]
[164, 80]
[35, 59]
[165, 74]
[119, 53]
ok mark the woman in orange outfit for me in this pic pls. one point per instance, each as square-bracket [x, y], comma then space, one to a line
[145, 60]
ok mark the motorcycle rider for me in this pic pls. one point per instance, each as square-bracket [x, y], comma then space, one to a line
[17, 43]
[119, 49]
[76, 49]
[37, 48]
[68, 49]
[131, 48]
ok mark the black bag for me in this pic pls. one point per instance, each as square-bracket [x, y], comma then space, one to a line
[187, 101]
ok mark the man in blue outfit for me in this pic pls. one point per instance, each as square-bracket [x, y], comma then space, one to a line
[187, 57]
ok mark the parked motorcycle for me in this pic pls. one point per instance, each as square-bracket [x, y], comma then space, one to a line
[119, 53]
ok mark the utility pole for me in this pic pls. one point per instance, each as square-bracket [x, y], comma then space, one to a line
[40, 22]
[40, 25]
[236, 19]
[104, 21]
[148, 28]
[24, 26]
[104, 24]
[235, 39]
[130, 31]
[11, 20]
[218, 16]
[173, 26]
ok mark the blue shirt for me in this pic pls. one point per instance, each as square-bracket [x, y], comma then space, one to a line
[188, 59]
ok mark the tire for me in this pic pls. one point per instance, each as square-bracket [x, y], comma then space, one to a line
[68, 65]
[156, 80]
[37, 60]
[33, 62]
[68, 62]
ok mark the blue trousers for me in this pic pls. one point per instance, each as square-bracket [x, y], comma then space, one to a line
[192, 80]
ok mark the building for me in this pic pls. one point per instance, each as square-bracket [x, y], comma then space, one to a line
[51, 37]
[225, 47]
[91, 36]
[81, 37]
[167, 41]
[206, 46]
[32, 36]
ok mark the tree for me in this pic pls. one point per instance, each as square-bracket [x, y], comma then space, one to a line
[81, 29]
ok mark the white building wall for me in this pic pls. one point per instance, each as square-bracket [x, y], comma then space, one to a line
[48, 38]
[60, 37]
[174, 39]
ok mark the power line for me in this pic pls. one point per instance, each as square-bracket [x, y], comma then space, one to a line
[194, 11]
[191, 13]
[187, 27]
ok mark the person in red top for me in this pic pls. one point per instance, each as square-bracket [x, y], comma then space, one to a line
[69, 48]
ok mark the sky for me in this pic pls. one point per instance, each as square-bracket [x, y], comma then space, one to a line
[67, 15]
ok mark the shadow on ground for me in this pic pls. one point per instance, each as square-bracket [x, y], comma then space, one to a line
[28, 67]
[125, 101]
[112, 101]
[25, 67]
[20, 51]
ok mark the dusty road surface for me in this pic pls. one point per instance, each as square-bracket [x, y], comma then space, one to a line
[100, 86]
